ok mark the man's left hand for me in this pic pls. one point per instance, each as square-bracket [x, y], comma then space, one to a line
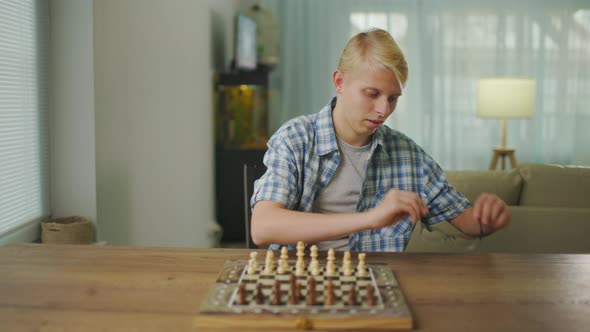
[491, 212]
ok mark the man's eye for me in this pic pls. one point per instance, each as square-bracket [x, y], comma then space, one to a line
[372, 94]
[392, 100]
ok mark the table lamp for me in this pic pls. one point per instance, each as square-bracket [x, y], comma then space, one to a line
[505, 98]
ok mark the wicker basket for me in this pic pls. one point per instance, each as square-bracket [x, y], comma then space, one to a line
[67, 230]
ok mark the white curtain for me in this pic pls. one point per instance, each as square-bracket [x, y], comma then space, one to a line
[449, 45]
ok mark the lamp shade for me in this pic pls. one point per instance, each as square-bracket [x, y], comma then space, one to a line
[505, 98]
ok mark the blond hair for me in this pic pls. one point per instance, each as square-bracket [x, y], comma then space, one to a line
[377, 47]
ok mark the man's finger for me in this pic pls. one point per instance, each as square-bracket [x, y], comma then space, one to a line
[485, 209]
[503, 220]
[412, 206]
[496, 209]
[477, 207]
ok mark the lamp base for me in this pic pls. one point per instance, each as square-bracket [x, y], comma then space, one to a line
[502, 153]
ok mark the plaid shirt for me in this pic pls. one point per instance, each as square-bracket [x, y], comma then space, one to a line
[303, 156]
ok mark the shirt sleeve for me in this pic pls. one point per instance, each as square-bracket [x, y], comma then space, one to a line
[444, 202]
[280, 182]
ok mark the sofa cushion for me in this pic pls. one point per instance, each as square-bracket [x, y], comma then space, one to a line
[506, 185]
[537, 229]
[555, 185]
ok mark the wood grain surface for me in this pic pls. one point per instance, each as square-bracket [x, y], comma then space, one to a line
[94, 288]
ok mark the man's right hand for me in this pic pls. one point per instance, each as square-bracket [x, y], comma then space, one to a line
[395, 206]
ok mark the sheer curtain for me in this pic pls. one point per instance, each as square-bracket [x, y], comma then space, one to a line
[449, 45]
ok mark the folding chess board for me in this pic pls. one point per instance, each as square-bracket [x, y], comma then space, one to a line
[223, 307]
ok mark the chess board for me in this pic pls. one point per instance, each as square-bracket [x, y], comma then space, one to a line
[389, 311]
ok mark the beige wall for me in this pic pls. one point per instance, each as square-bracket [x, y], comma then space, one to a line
[139, 74]
[154, 132]
[73, 173]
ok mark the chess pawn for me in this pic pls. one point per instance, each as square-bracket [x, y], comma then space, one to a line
[314, 258]
[346, 256]
[330, 265]
[362, 266]
[300, 245]
[269, 263]
[329, 294]
[276, 293]
[299, 268]
[347, 264]
[285, 258]
[345, 259]
[352, 296]
[330, 269]
[241, 298]
[300, 255]
[293, 297]
[371, 300]
[253, 263]
[259, 295]
[281, 267]
[315, 269]
[347, 269]
[311, 292]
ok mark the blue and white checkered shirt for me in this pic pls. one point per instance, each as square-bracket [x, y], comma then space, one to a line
[303, 156]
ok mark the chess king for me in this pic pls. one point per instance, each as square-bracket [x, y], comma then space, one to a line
[341, 178]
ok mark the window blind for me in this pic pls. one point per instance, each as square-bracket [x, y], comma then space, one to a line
[24, 143]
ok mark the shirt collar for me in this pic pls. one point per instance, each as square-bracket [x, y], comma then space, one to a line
[326, 136]
[324, 127]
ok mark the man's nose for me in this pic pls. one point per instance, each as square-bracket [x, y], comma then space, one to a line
[383, 107]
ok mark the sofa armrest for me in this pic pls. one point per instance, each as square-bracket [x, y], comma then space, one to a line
[542, 230]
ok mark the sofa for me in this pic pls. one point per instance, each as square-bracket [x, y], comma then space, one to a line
[549, 204]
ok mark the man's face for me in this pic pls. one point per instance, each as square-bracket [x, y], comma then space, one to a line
[366, 97]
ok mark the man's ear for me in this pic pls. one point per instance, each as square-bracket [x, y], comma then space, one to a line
[337, 78]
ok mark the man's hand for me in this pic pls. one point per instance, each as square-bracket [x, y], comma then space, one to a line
[396, 205]
[491, 212]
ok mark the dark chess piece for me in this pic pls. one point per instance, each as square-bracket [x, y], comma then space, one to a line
[371, 299]
[295, 291]
[241, 299]
[298, 291]
[329, 294]
[276, 293]
[311, 292]
[352, 296]
[293, 299]
[311, 282]
[259, 295]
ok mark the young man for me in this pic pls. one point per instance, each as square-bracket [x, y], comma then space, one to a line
[340, 178]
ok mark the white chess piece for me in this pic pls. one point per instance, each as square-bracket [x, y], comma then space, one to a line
[285, 258]
[299, 268]
[281, 267]
[269, 264]
[330, 265]
[300, 255]
[253, 263]
[315, 269]
[314, 264]
[347, 264]
[362, 266]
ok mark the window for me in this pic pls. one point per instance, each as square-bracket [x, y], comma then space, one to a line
[24, 143]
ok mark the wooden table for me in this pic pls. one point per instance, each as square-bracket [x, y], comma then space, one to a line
[91, 288]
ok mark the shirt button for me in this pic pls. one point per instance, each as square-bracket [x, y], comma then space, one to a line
[323, 179]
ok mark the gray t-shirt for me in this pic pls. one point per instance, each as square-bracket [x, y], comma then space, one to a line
[342, 193]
